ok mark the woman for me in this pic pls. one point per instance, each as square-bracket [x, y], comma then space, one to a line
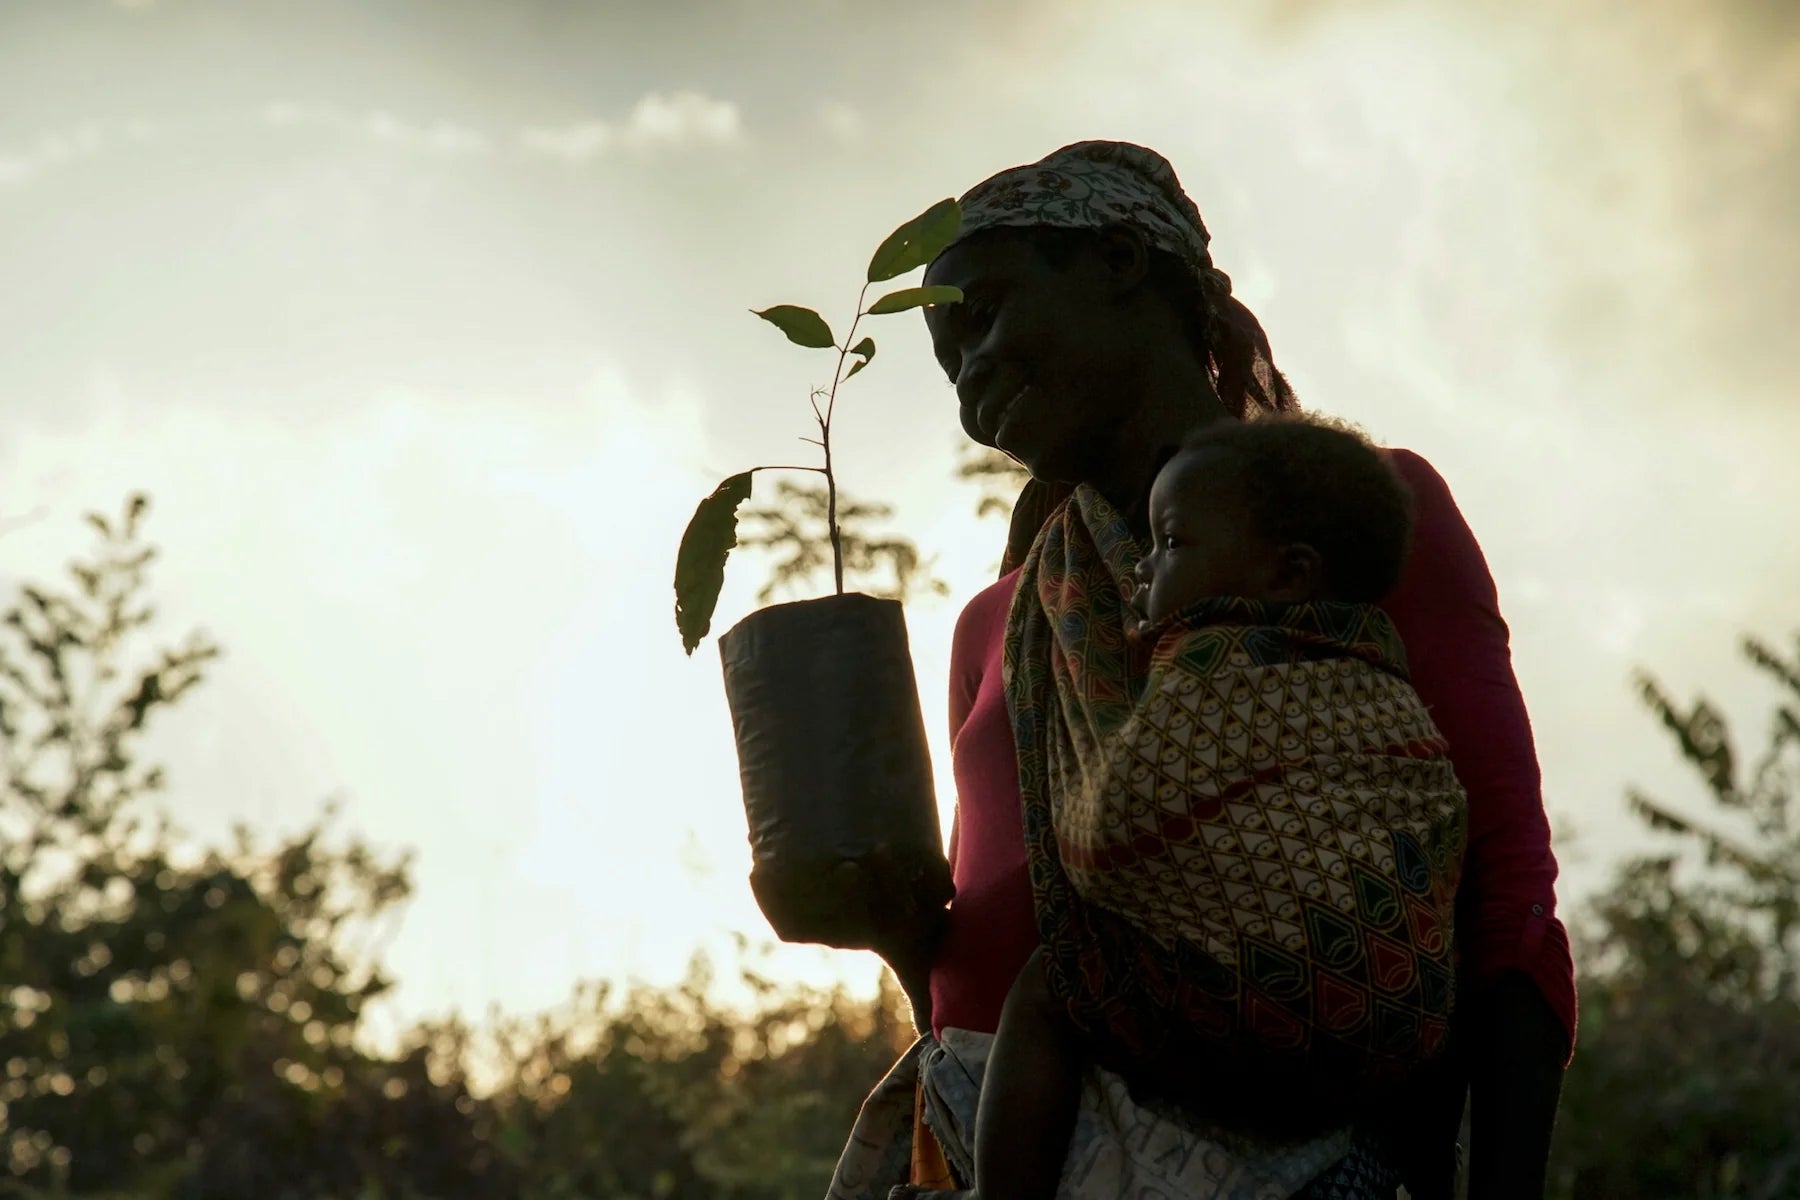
[1095, 333]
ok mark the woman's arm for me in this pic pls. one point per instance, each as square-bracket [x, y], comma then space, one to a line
[1517, 1012]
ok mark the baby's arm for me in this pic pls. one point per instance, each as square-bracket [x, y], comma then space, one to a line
[1029, 1095]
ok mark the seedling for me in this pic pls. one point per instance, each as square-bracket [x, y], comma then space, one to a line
[711, 535]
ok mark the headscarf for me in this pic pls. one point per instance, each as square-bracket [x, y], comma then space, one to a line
[1097, 184]
[1091, 185]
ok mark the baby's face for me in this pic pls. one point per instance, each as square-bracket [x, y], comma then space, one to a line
[1203, 542]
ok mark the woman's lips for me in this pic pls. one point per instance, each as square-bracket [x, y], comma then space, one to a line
[998, 421]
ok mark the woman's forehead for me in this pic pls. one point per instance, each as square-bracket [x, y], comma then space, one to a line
[981, 258]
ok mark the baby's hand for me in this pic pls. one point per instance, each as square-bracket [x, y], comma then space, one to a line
[1139, 627]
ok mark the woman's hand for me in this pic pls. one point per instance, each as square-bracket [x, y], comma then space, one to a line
[909, 953]
[1516, 1049]
[908, 929]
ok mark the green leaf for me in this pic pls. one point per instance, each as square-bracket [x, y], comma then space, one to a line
[803, 326]
[917, 297]
[866, 348]
[700, 563]
[917, 242]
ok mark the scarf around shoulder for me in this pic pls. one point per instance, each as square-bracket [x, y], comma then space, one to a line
[1244, 836]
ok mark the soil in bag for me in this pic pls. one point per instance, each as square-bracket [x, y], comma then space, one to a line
[838, 793]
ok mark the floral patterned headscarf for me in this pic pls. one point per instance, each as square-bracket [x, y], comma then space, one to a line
[1097, 184]
[1091, 185]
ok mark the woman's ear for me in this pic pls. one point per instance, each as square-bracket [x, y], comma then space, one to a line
[1124, 257]
[1299, 575]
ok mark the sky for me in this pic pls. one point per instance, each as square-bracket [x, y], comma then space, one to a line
[424, 326]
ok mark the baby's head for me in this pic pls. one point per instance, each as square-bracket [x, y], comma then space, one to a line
[1283, 510]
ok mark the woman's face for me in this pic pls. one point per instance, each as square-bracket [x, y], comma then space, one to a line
[1037, 353]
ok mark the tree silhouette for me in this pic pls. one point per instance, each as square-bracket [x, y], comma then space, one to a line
[1752, 835]
[177, 1021]
[999, 476]
[663, 1092]
[796, 529]
[172, 1020]
[1690, 1011]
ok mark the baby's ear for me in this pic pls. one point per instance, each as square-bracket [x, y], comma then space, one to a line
[1299, 574]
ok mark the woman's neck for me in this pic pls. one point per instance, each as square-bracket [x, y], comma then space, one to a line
[1177, 399]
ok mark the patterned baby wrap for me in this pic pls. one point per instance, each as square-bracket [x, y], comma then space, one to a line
[1244, 837]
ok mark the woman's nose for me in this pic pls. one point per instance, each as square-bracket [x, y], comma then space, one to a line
[972, 381]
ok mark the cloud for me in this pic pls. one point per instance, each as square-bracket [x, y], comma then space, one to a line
[658, 120]
[679, 117]
[285, 114]
[574, 143]
[442, 138]
[842, 121]
[52, 151]
[62, 148]
[1677, 120]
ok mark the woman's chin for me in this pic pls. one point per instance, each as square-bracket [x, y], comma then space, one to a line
[972, 426]
[1006, 439]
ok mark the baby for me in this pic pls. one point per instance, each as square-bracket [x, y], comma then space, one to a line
[1284, 510]
[1271, 542]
